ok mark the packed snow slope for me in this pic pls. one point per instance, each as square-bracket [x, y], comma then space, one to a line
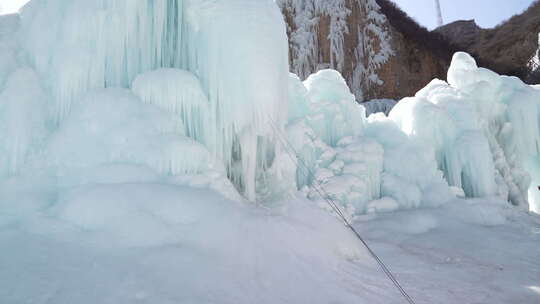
[159, 152]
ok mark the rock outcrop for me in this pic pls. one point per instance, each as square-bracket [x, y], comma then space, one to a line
[462, 33]
[380, 51]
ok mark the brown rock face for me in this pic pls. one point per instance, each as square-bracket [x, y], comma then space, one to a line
[374, 53]
[411, 69]
[383, 53]
[463, 33]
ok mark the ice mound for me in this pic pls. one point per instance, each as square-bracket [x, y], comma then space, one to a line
[176, 54]
[446, 123]
[509, 117]
[478, 135]
[322, 135]
[114, 126]
[179, 92]
[483, 127]
[332, 112]
[355, 161]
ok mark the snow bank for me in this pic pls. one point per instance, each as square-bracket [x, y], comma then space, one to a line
[148, 241]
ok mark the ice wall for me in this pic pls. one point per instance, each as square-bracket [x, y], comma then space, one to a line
[177, 91]
[357, 162]
[81, 45]
[448, 124]
[8, 46]
[235, 52]
[238, 49]
[174, 88]
[477, 134]
[324, 131]
[23, 119]
[509, 115]
[484, 128]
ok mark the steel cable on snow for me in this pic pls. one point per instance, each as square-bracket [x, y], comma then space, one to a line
[295, 158]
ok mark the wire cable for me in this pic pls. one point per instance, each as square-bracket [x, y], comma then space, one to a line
[324, 195]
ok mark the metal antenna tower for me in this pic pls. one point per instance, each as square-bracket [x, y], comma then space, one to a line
[439, 13]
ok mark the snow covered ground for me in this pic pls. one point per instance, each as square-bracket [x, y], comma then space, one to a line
[172, 244]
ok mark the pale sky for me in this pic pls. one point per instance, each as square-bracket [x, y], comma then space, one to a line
[487, 13]
[11, 6]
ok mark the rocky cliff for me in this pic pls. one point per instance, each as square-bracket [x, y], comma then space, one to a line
[510, 48]
[462, 33]
[381, 52]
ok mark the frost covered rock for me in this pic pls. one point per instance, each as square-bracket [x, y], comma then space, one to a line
[352, 37]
